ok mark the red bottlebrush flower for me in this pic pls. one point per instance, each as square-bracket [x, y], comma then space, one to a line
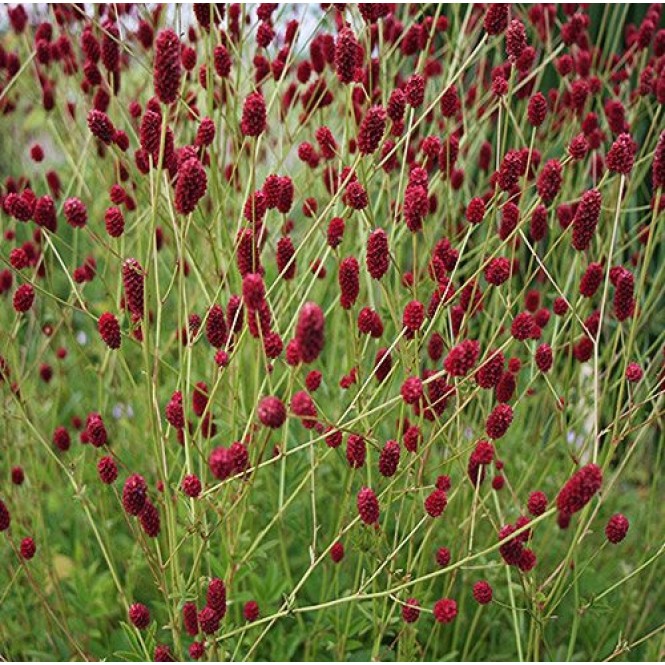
[347, 55]
[286, 262]
[95, 430]
[416, 207]
[436, 503]
[18, 475]
[310, 332]
[371, 130]
[37, 153]
[413, 316]
[411, 610]
[524, 327]
[443, 557]
[109, 330]
[167, 71]
[303, 407]
[191, 185]
[578, 147]
[543, 357]
[617, 528]
[356, 451]
[516, 40]
[537, 110]
[490, 372]
[200, 398]
[327, 143]
[205, 134]
[348, 281]
[107, 470]
[132, 279]
[23, 298]
[412, 390]
[28, 548]
[496, 19]
[313, 380]
[335, 232]
[76, 213]
[149, 519]
[101, 127]
[337, 552]
[44, 214]
[497, 271]
[114, 222]
[368, 506]
[369, 322]
[462, 358]
[505, 388]
[253, 290]
[5, 516]
[624, 302]
[633, 373]
[222, 61]
[537, 503]
[560, 306]
[251, 611]
[191, 486]
[208, 620]
[415, 90]
[579, 489]
[549, 181]
[382, 364]
[621, 156]
[174, 411]
[499, 421]
[139, 615]
[527, 560]
[482, 456]
[163, 654]
[475, 211]
[253, 122]
[134, 494]
[378, 254]
[272, 412]
[586, 219]
[396, 105]
[216, 596]
[591, 280]
[658, 167]
[445, 610]
[216, 331]
[196, 649]
[286, 194]
[389, 459]
[355, 196]
[190, 619]
[61, 439]
[450, 102]
[482, 592]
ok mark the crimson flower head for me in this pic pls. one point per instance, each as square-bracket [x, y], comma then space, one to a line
[347, 55]
[580, 489]
[100, 126]
[272, 412]
[167, 71]
[617, 528]
[621, 156]
[109, 330]
[191, 185]
[368, 506]
[310, 332]
[371, 130]
[253, 122]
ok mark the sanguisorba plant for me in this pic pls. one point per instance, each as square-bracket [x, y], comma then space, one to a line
[332, 331]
